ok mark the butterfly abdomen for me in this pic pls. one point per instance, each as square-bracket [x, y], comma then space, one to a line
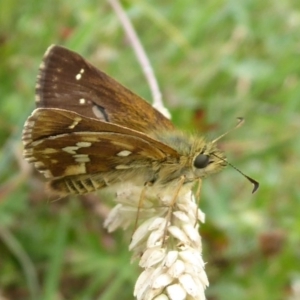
[83, 184]
[75, 186]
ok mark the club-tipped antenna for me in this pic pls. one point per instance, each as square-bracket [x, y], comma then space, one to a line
[254, 182]
[239, 123]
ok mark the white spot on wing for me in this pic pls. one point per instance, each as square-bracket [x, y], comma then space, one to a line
[82, 101]
[79, 75]
[50, 151]
[31, 159]
[36, 143]
[47, 174]
[28, 152]
[122, 167]
[39, 165]
[83, 144]
[75, 122]
[75, 169]
[70, 149]
[81, 158]
[124, 153]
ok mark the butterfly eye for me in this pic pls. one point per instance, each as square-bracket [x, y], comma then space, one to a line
[201, 161]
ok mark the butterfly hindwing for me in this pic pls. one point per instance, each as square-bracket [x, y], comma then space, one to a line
[64, 143]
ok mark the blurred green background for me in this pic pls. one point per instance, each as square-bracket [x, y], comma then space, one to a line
[215, 61]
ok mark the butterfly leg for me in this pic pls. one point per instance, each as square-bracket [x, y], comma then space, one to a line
[168, 217]
[197, 195]
[140, 204]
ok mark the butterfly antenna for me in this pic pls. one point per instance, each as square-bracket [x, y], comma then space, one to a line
[239, 123]
[254, 182]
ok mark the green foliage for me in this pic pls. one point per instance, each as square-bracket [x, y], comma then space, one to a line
[215, 61]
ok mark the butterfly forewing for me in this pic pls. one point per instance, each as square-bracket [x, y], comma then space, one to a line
[66, 80]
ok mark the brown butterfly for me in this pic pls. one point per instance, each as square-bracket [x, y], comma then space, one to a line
[89, 132]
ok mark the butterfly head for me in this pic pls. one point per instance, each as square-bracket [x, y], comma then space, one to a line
[211, 160]
[208, 161]
[196, 158]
